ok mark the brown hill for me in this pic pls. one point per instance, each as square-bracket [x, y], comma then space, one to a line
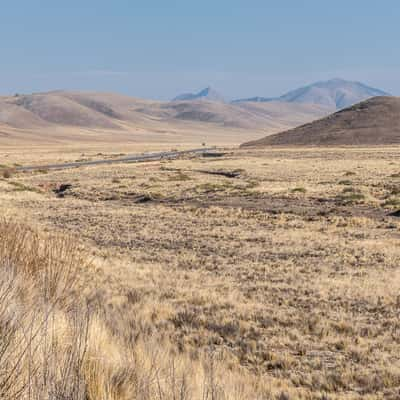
[373, 122]
[54, 108]
[109, 111]
[284, 113]
[59, 114]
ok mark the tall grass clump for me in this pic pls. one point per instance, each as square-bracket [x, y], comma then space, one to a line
[43, 333]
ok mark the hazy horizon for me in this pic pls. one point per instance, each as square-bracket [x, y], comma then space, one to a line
[161, 50]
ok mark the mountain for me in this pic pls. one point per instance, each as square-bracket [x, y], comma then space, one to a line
[372, 122]
[256, 99]
[205, 94]
[335, 93]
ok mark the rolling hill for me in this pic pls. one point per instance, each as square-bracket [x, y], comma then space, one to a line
[59, 114]
[372, 122]
[85, 113]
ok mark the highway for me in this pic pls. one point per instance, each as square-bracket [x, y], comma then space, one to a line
[127, 159]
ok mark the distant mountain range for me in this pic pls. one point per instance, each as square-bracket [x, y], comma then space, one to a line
[59, 115]
[205, 94]
[335, 94]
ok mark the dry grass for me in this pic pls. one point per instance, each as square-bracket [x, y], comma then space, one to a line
[42, 330]
[55, 345]
[282, 282]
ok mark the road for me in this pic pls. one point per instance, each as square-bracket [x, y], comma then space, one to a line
[127, 159]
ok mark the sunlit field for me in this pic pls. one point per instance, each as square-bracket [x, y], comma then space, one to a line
[261, 274]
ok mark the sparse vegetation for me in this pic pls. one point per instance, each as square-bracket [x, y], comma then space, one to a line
[54, 344]
[393, 202]
[349, 173]
[21, 187]
[345, 182]
[179, 176]
[218, 291]
[6, 173]
[350, 195]
[299, 190]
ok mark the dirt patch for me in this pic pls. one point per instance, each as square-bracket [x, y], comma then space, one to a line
[311, 208]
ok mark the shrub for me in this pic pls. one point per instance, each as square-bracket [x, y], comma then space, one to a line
[6, 173]
[350, 195]
[42, 349]
[299, 190]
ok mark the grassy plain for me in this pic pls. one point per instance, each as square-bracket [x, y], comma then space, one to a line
[284, 279]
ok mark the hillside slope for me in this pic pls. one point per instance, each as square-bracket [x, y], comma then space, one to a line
[373, 122]
[114, 111]
[54, 108]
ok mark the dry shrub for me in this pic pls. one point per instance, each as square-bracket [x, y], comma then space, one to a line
[150, 370]
[42, 344]
[49, 264]
[6, 173]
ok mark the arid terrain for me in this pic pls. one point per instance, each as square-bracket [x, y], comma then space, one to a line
[199, 200]
[372, 122]
[72, 118]
[263, 274]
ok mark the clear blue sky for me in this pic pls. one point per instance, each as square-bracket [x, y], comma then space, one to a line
[160, 48]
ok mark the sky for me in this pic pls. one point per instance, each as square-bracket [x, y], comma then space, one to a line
[159, 49]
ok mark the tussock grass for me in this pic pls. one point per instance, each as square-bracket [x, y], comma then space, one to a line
[351, 195]
[20, 187]
[53, 345]
[42, 342]
[299, 190]
[280, 295]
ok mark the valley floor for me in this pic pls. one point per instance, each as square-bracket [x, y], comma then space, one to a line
[288, 271]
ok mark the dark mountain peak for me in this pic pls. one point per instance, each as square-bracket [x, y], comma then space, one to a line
[205, 94]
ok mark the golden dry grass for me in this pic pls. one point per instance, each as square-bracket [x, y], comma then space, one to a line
[287, 276]
[55, 342]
